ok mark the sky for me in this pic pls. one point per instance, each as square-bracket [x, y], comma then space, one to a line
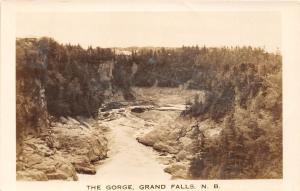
[169, 29]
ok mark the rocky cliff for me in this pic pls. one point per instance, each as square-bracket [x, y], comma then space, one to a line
[237, 125]
[56, 84]
[233, 131]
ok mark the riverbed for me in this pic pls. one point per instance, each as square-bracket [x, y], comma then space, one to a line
[127, 158]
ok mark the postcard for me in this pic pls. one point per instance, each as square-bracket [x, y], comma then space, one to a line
[167, 96]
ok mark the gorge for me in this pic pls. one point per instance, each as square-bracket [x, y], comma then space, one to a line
[188, 112]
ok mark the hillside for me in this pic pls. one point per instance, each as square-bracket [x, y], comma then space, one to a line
[59, 89]
[242, 101]
[220, 109]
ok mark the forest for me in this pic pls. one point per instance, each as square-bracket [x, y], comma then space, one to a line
[242, 86]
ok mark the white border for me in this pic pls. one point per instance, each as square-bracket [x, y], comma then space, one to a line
[291, 89]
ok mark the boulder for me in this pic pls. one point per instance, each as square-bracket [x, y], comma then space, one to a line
[150, 138]
[138, 110]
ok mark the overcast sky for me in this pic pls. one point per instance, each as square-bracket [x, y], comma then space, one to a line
[171, 29]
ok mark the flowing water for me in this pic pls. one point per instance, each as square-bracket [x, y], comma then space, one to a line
[127, 158]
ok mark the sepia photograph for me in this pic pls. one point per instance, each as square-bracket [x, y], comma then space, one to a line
[162, 95]
[139, 95]
[149, 96]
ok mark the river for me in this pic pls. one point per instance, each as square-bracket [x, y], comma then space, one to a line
[127, 158]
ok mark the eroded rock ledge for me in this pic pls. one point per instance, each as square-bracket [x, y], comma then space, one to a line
[69, 146]
[178, 144]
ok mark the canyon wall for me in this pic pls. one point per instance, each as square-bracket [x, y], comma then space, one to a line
[59, 91]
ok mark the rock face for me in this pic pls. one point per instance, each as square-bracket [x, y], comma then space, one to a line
[52, 81]
[39, 162]
[71, 146]
[31, 105]
[179, 141]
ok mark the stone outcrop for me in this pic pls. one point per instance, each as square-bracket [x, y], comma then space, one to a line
[53, 81]
[179, 140]
[70, 147]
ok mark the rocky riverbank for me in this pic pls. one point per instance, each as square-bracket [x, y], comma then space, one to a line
[69, 146]
[152, 123]
[175, 138]
[178, 142]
